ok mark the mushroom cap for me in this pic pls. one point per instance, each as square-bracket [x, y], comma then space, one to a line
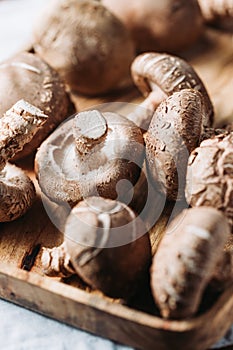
[65, 175]
[174, 132]
[89, 47]
[210, 175]
[218, 12]
[186, 260]
[169, 74]
[17, 193]
[161, 25]
[26, 76]
[108, 246]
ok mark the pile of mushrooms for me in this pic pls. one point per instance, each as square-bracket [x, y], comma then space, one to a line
[88, 162]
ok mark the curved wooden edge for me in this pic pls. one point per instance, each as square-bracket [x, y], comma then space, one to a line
[97, 314]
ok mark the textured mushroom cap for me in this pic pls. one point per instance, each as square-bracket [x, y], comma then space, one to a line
[174, 132]
[65, 175]
[161, 25]
[86, 44]
[218, 12]
[108, 246]
[186, 260]
[168, 74]
[210, 175]
[17, 193]
[26, 76]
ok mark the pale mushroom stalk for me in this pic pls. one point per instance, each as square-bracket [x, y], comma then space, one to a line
[17, 127]
[158, 76]
[56, 261]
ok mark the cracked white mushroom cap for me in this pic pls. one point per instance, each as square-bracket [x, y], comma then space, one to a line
[26, 76]
[187, 259]
[158, 76]
[210, 175]
[92, 154]
[17, 127]
[17, 193]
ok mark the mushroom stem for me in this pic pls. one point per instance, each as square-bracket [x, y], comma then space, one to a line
[18, 126]
[56, 262]
[89, 129]
[143, 113]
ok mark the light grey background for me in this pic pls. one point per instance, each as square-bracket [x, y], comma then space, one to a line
[19, 328]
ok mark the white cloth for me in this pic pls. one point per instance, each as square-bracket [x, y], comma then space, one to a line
[19, 328]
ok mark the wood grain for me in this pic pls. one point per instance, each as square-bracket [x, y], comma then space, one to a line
[71, 301]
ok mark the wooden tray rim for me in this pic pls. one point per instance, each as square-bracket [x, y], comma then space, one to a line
[118, 310]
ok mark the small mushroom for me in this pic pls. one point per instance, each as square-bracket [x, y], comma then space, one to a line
[17, 127]
[92, 154]
[210, 175]
[174, 132]
[107, 246]
[186, 260]
[26, 76]
[89, 47]
[17, 193]
[164, 25]
[160, 75]
[218, 12]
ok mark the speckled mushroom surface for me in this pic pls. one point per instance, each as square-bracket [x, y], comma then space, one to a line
[174, 132]
[210, 175]
[18, 127]
[90, 155]
[89, 47]
[164, 74]
[17, 193]
[28, 77]
[186, 260]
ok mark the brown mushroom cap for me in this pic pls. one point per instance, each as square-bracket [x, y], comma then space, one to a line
[218, 12]
[186, 260]
[17, 193]
[167, 74]
[174, 132]
[69, 170]
[164, 25]
[108, 247]
[210, 175]
[26, 76]
[86, 44]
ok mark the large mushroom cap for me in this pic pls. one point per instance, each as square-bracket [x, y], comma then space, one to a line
[160, 25]
[168, 74]
[17, 193]
[210, 175]
[68, 172]
[108, 246]
[86, 44]
[28, 77]
[186, 260]
[174, 132]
